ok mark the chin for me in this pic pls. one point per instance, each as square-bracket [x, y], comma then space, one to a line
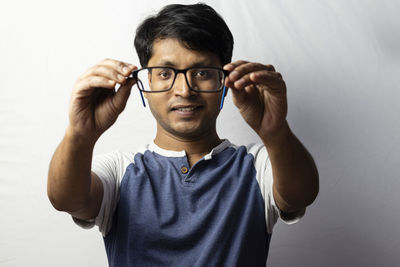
[187, 129]
[186, 132]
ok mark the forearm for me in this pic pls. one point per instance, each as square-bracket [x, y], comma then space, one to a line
[296, 182]
[69, 177]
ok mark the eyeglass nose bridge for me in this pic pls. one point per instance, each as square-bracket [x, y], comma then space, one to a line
[184, 72]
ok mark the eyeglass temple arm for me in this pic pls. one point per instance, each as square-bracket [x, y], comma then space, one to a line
[141, 94]
[226, 72]
[134, 76]
[222, 98]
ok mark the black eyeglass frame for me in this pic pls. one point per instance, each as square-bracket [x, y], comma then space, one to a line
[176, 72]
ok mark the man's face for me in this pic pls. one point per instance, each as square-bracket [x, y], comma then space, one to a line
[181, 112]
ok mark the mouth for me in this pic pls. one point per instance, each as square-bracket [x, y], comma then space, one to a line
[186, 109]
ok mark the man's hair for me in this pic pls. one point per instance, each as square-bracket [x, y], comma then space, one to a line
[198, 27]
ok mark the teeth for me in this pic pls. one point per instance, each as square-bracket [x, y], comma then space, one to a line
[186, 109]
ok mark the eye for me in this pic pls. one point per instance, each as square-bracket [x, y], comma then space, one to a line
[164, 74]
[202, 74]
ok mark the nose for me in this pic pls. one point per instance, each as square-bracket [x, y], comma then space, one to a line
[181, 86]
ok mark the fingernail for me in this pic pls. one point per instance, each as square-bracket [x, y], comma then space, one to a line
[234, 75]
[125, 69]
[239, 83]
[121, 78]
[227, 66]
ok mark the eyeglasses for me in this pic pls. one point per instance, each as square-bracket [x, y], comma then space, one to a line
[162, 79]
[199, 79]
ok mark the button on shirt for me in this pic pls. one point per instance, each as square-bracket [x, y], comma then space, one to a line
[156, 211]
[184, 170]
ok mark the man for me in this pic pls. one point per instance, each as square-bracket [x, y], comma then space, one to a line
[188, 198]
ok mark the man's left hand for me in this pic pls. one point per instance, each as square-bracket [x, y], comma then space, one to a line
[259, 92]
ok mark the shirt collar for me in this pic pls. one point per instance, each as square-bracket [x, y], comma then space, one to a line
[171, 153]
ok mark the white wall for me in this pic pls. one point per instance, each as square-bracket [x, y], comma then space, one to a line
[340, 60]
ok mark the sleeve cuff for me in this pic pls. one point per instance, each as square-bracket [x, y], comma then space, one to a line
[287, 218]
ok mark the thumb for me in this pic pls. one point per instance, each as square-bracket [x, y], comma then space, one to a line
[122, 95]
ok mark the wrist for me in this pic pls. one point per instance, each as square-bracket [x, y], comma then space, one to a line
[79, 139]
[277, 137]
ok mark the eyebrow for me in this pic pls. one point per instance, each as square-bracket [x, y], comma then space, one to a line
[169, 63]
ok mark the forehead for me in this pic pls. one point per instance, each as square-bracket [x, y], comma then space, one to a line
[174, 53]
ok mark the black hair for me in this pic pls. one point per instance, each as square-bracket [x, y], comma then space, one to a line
[198, 27]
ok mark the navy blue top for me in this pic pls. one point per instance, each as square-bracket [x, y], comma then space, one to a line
[157, 211]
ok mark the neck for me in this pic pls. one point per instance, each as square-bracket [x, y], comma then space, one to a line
[195, 147]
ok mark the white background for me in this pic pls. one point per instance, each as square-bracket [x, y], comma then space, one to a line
[340, 60]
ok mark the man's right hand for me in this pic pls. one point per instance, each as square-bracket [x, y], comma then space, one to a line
[95, 104]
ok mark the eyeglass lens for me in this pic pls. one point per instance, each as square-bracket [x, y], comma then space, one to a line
[162, 78]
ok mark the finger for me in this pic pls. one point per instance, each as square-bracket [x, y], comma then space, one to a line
[122, 67]
[229, 81]
[92, 82]
[266, 75]
[122, 95]
[246, 68]
[242, 82]
[237, 69]
[270, 67]
[113, 69]
[273, 80]
[240, 72]
[263, 77]
[106, 72]
[231, 66]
